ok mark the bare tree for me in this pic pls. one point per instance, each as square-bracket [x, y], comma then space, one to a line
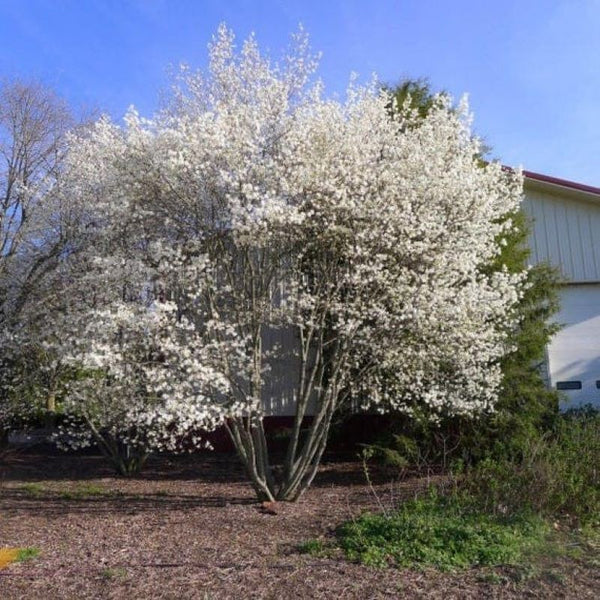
[34, 121]
[36, 227]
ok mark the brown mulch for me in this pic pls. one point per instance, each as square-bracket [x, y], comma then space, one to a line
[189, 528]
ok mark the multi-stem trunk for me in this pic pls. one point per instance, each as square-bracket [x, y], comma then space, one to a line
[319, 372]
[125, 459]
[304, 452]
[249, 438]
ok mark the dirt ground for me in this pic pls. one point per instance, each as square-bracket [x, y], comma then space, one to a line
[189, 528]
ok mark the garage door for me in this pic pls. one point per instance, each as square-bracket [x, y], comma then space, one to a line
[574, 353]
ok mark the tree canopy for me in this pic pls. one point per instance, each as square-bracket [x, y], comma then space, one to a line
[257, 240]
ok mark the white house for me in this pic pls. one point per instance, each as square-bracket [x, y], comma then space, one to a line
[566, 233]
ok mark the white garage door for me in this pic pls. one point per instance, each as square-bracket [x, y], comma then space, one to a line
[574, 353]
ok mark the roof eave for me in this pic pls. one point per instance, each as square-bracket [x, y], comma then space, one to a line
[554, 185]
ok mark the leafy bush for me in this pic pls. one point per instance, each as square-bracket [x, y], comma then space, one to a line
[441, 532]
[557, 474]
[493, 512]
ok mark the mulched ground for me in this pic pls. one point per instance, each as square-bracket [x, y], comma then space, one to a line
[189, 528]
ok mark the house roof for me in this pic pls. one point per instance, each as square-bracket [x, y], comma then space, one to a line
[555, 185]
[562, 182]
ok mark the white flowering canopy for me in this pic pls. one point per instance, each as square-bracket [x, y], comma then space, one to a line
[255, 204]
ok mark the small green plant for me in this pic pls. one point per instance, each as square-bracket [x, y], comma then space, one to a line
[525, 572]
[26, 554]
[445, 533]
[114, 572]
[491, 577]
[554, 577]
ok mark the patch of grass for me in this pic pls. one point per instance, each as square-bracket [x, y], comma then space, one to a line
[318, 548]
[583, 544]
[80, 491]
[442, 533]
[114, 572]
[36, 490]
[25, 554]
[11, 555]
[84, 490]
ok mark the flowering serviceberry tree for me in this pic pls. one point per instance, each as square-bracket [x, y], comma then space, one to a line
[103, 337]
[332, 252]
[135, 391]
[140, 374]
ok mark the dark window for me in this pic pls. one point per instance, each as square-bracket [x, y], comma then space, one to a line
[569, 385]
[598, 383]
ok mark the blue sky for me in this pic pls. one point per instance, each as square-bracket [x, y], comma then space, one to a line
[531, 67]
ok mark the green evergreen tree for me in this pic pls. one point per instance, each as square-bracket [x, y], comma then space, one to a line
[526, 406]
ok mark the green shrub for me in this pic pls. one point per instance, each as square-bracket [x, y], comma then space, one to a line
[440, 532]
[556, 474]
[494, 512]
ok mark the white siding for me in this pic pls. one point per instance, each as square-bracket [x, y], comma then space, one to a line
[566, 233]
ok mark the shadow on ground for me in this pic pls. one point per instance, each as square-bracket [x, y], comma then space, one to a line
[57, 503]
[31, 466]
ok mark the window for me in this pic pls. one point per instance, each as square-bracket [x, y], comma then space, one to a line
[570, 385]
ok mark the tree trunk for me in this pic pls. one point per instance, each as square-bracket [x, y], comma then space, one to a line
[126, 460]
[4, 432]
[50, 414]
[248, 438]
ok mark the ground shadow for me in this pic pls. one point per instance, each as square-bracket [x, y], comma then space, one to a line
[43, 473]
[34, 467]
[55, 504]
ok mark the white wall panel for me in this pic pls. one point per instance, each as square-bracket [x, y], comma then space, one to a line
[281, 383]
[566, 233]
